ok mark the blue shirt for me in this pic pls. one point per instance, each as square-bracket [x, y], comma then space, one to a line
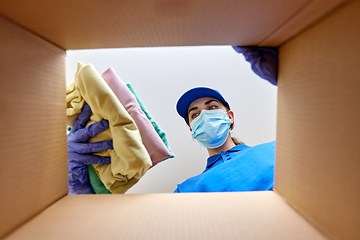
[241, 168]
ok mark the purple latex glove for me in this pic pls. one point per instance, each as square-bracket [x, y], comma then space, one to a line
[263, 60]
[80, 153]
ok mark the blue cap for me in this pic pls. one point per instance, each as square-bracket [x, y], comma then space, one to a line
[195, 93]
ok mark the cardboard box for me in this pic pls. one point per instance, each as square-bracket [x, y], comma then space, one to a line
[316, 193]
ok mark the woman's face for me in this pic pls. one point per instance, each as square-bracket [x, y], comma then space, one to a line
[207, 103]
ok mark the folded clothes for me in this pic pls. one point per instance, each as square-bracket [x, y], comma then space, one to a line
[153, 143]
[156, 126]
[153, 137]
[129, 158]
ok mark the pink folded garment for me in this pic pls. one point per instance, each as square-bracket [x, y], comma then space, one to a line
[151, 140]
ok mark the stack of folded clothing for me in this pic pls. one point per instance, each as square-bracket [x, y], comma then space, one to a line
[139, 143]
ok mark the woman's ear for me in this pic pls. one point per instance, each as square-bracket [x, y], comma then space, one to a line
[230, 115]
[190, 129]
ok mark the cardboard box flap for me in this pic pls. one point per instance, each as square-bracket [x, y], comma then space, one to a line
[246, 215]
[309, 14]
[33, 171]
[86, 24]
[317, 156]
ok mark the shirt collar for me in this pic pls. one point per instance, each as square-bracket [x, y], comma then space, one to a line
[211, 160]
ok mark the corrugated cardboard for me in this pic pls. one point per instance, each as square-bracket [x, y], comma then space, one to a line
[84, 24]
[317, 158]
[249, 215]
[310, 12]
[33, 172]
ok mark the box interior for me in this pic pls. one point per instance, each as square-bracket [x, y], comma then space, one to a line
[316, 159]
[33, 135]
[99, 24]
[262, 215]
[318, 123]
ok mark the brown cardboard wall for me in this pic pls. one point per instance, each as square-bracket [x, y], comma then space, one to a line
[310, 13]
[188, 216]
[318, 157]
[33, 171]
[107, 24]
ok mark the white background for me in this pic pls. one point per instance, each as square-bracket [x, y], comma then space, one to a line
[161, 75]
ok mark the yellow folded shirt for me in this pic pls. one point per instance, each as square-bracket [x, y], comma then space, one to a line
[129, 158]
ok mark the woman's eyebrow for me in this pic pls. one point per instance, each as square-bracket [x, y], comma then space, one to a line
[194, 108]
[211, 100]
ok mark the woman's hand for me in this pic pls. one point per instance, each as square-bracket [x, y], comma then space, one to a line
[80, 153]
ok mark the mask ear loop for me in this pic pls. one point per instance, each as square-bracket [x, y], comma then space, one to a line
[232, 124]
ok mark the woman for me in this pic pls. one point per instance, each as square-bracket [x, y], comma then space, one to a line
[232, 165]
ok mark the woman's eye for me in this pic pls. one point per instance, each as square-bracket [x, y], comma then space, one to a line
[212, 107]
[194, 115]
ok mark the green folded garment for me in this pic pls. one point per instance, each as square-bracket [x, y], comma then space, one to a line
[160, 132]
[95, 181]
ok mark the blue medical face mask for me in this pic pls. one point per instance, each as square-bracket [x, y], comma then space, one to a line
[211, 128]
